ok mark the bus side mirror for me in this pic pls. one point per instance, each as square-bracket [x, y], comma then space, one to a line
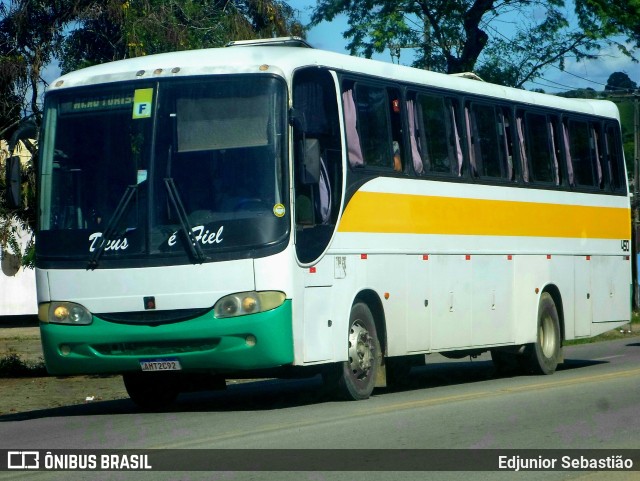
[310, 161]
[14, 182]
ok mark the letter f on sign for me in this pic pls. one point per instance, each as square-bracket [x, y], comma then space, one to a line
[142, 101]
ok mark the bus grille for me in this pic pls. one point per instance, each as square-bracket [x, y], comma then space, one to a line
[153, 317]
[156, 347]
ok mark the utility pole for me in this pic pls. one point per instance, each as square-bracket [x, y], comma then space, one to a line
[636, 154]
[636, 190]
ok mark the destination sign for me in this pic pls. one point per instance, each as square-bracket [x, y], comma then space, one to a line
[97, 103]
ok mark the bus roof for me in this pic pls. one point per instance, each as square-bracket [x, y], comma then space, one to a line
[284, 60]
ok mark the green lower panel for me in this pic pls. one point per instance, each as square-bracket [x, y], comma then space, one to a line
[205, 343]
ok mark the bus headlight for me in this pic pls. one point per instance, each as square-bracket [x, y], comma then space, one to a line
[64, 313]
[243, 303]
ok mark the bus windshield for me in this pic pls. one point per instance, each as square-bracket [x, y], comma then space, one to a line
[190, 169]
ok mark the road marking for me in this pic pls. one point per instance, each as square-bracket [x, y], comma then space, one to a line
[571, 382]
[608, 357]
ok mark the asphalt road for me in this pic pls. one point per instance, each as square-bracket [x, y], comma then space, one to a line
[591, 402]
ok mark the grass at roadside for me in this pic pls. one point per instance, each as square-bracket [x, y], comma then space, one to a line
[12, 365]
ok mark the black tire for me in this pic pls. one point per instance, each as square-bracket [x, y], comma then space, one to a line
[544, 355]
[355, 378]
[152, 390]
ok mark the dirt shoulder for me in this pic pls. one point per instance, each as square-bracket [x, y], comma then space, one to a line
[24, 394]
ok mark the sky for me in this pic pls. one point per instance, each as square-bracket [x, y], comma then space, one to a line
[586, 74]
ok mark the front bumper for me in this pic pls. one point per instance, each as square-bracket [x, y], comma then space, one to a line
[202, 344]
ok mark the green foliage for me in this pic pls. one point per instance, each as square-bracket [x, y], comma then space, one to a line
[20, 221]
[467, 35]
[620, 82]
[587, 93]
[626, 108]
[118, 29]
[618, 17]
[444, 34]
[31, 32]
[12, 365]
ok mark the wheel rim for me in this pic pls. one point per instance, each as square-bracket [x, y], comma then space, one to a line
[547, 335]
[361, 350]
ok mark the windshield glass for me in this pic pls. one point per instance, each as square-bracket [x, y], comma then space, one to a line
[189, 169]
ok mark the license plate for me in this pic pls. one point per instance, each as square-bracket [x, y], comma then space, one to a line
[166, 364]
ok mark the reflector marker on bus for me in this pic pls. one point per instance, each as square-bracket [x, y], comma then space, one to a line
[363, 256]
[425, 257]
[548, 256]
[588, 258]
[467, 257]
[149, 302]
[509, 257]
[312, 270]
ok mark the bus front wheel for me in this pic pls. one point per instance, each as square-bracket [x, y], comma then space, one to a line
[355, 378]
[152, 390]
[544, 355]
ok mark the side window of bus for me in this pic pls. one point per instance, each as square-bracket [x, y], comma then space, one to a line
[557, 155]
[540, 160]
[581, 161]
[597, 152]
[397, 141]
[434, 135]
[374, 126]
[613, 158]
[488, 141]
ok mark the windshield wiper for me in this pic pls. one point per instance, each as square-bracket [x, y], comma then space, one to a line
[187, 230]
[112, 225]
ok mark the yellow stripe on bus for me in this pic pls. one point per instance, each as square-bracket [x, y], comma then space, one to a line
[375, 212]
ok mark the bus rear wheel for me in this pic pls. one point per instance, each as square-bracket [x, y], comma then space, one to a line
[152, 390]
[355, 378]
[544, 355]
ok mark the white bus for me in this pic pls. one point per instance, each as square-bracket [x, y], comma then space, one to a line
[209, 213]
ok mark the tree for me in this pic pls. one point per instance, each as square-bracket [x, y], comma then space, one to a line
[31, 32]
[505, 41]
[14, 220]
[620, 82]
[587, 93]
[30, 36]
[118, 29]
[625, 16]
